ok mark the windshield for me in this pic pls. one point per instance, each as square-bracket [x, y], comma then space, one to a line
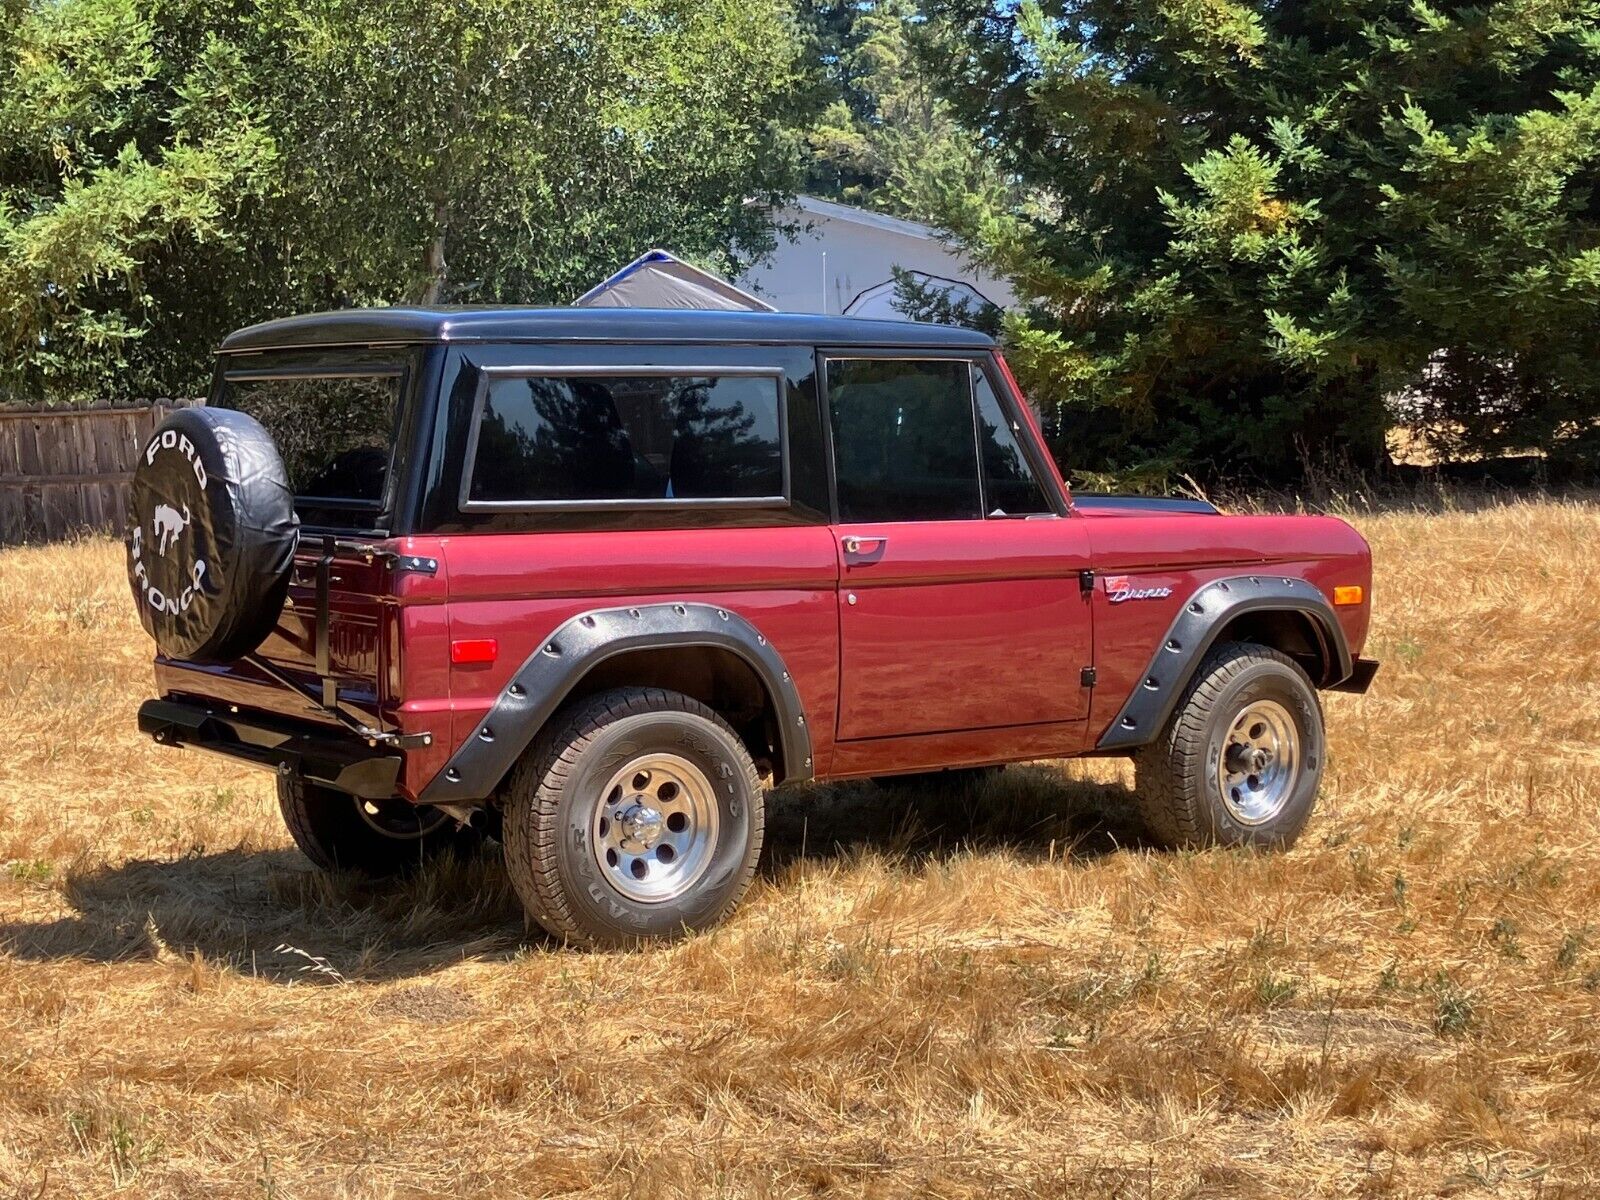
[335, 432]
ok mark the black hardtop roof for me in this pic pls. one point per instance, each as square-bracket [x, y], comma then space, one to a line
[391, 326]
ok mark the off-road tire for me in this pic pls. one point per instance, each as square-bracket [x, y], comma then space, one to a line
[550, 803]
[330, 830]
[1179, 796]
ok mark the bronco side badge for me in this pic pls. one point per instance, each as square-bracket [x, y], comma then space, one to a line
[1120, 588]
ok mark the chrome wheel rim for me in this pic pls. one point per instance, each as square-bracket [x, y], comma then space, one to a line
[399, 820]
[1259, 763]
[655, 828]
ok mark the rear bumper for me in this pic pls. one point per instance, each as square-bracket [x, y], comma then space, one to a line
[314, 752]
[1360, 678]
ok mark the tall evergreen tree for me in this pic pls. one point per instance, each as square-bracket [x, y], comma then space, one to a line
[884, 138]
[1247, 225]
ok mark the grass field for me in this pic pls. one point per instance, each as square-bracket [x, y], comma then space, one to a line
[987, 993]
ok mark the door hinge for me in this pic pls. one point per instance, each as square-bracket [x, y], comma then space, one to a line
[398, 741]
[1086, 581]
[397, 561]
[1088, 677]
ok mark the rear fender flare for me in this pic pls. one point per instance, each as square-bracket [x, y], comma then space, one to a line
[544, 681]
[1195, 630]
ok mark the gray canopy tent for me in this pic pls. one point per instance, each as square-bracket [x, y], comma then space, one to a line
[657, 279]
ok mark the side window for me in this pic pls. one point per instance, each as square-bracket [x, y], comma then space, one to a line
[903, 441]
[1009, 487]
[626, 439]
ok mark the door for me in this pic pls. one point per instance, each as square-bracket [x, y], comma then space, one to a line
[959, 603]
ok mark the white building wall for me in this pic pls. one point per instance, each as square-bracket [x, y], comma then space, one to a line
[842, 252]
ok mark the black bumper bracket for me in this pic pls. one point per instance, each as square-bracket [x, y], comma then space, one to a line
[330, 757]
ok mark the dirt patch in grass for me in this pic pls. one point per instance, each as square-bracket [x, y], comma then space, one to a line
[429, 1003]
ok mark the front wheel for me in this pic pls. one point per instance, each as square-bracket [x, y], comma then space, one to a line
[1240, 761]
[637, 815]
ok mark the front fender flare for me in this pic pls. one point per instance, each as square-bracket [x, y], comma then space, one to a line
[544, 681]
[1195, 630]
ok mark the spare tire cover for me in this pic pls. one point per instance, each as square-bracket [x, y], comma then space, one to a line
[211, 535]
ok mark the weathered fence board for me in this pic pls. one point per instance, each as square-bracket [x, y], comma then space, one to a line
[66, 471]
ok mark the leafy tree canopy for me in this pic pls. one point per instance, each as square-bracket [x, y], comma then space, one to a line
[170, 169]
[1246, 225]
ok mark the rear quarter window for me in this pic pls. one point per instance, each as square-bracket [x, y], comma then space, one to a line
[627, 438]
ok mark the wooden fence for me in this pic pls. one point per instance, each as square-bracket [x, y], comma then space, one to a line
[66, 471]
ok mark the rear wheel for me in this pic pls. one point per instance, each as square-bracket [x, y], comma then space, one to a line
[379, 838]
[637, 815]
[1240, 761]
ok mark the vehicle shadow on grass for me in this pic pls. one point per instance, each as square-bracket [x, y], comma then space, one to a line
[1030, 812]
[270, 914]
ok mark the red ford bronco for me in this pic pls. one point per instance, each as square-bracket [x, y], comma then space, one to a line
[592, 580]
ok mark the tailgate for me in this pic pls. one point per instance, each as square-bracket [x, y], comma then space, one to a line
[328, 642]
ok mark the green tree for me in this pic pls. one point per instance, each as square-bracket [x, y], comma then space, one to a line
[170, 169]
[521, 148]
[1246, 226]
[884, 138]
[111, 159]
[935, 302]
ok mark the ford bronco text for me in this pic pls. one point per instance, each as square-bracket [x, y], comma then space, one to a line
[591, 581]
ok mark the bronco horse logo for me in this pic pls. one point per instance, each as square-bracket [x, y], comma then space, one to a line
[168, 524]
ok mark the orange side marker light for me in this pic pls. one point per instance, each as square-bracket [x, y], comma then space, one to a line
[1352, 594]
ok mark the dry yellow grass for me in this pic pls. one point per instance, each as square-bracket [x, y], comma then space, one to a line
[958, 995]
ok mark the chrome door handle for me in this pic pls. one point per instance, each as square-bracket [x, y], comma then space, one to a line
[864, 545]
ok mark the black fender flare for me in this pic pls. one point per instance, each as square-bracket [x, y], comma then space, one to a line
[1195, 630]
[544, 681]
